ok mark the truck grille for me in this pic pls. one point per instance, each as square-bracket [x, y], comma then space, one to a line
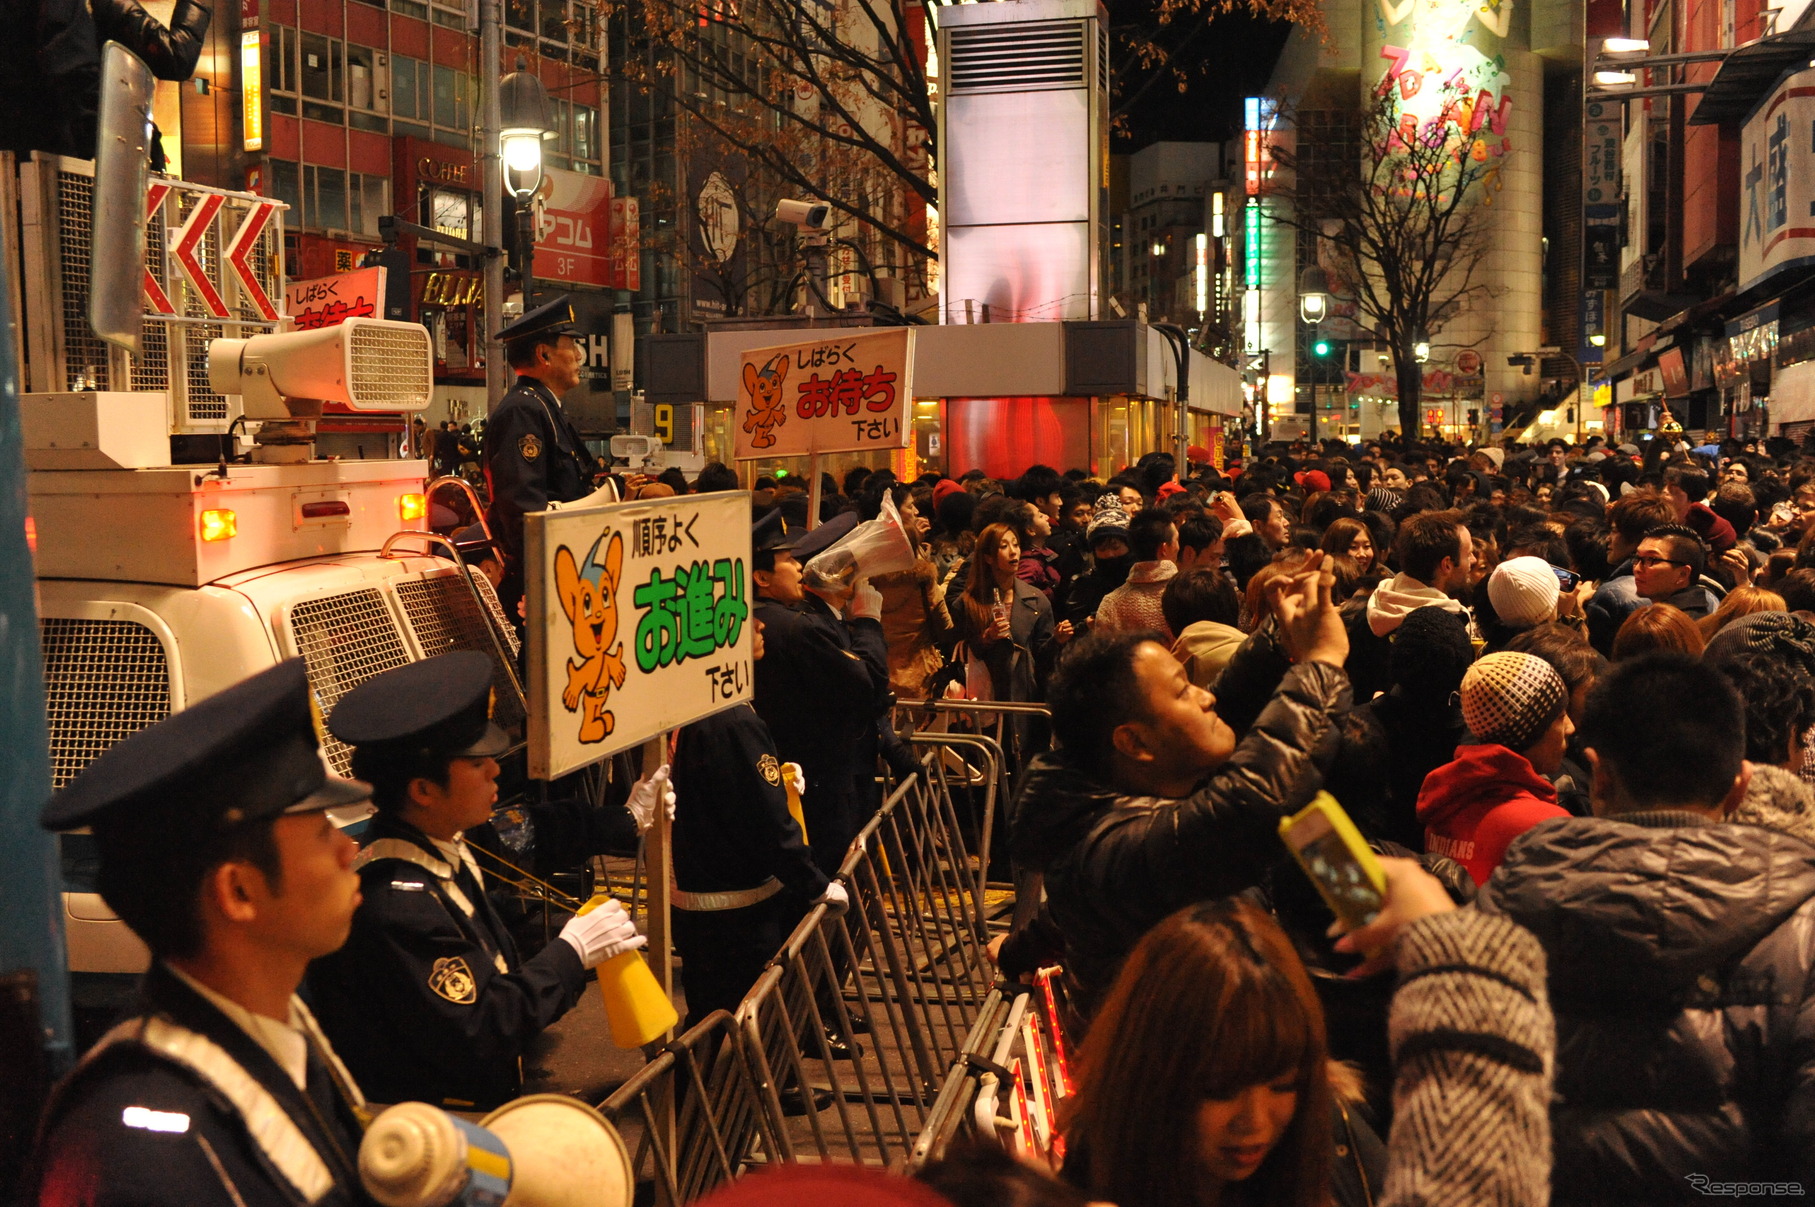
[391, 367]
[344, 640]
[443, 618]
[86, 718]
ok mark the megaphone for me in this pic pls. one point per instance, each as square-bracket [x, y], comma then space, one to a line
[875, 547]
[545, 1150]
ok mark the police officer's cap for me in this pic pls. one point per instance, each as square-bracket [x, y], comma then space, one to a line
[440, 706]
[825, 536]
[242, 755]
[547, 322]
[772, 533]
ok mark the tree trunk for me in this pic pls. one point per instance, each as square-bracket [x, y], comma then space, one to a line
[1411, 396]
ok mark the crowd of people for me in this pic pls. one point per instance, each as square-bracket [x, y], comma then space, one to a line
[1566, 694]
[1569, 689]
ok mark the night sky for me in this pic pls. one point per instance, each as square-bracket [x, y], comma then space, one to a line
[1236, 54]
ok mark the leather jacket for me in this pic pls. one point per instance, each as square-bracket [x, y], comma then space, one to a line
[1116, 864]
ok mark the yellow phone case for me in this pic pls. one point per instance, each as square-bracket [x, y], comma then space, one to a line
[1324, 805]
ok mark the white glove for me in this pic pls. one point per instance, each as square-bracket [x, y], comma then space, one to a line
[866, 602]
[646, 792]
[796, 778]
[605, 932]
[835, 899]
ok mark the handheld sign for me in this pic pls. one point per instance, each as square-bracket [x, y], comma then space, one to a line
[839, 392]
[639, 621]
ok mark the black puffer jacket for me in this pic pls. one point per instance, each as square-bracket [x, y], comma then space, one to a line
[1682, 977]
[1116, 865]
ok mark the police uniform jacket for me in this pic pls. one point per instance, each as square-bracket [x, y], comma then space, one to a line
[428, 1001]
[820, 686]
[732, 828]
[179, 1107]
[533, 456]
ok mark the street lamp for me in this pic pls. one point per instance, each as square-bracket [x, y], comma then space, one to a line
[1529, 360]
[1313, 295]
[524, 123]
[1421, 351]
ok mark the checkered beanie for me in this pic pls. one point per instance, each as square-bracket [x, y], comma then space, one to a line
[1511, 699]
[1109, 518]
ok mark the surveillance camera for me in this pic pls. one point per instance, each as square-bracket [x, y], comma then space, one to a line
[808, 215]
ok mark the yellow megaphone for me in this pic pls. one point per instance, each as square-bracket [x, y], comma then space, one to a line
[635, 1006]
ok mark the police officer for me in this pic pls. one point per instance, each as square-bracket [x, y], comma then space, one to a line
[216, 849]
[742, 873]
[429, 1000]
[824, 681]
[533, 455]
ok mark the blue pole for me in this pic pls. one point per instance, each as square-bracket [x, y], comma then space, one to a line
[31, 910]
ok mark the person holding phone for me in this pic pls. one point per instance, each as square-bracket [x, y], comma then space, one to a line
[1163, 793]
[1209, 1079]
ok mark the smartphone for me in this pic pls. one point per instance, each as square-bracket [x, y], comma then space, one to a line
[1568, 580]
[1333, 854]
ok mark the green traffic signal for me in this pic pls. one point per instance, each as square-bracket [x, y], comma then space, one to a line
[1321, 347]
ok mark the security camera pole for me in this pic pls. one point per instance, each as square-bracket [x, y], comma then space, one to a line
[810, 219]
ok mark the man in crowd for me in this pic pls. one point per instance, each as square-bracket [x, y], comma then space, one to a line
[216, 849]
[1135, 605]
[1686, 488]
[1200, 543]
[1667, 569]
[1436, 557]
[1618, 597]
[1268, 517]
[1498, 788]
[1152, 802]
[1682, 963]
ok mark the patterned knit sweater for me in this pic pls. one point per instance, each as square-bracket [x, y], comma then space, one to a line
[1472, 1041]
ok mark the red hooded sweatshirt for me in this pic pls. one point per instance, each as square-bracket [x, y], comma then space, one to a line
[1474, 807]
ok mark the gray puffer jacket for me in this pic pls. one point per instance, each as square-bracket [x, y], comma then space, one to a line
[1682, 976]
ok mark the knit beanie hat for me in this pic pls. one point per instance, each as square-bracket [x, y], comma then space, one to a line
[1109, 519]
[1431, 653]
[1782, 635]
[942, 488]
[1523, 591]
[1511, 699]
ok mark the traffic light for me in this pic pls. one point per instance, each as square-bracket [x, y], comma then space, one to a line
[1320, 347]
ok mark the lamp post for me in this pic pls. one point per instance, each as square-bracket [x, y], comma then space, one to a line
[1313, 308]
[1528, 360]
[523, 123]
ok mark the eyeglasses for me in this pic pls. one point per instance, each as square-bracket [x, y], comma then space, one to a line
[1648, 560]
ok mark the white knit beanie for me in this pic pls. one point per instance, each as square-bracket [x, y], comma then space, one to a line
[1523, 591]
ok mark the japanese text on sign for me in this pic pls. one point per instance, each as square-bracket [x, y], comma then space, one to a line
[845, 393]
[638, 622]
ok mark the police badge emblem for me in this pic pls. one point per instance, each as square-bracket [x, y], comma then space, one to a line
[530, 446]
[453, 980]
[770, 768]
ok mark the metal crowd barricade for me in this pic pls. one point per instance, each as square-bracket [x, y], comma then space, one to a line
[693, 1117]
[901, 975]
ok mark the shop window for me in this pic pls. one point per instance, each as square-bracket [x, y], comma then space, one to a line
[520, 14]
[410, 84]
[370, 198]
[326, 192]
[282, 66]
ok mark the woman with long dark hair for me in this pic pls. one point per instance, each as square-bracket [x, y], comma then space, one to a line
[1006, 624]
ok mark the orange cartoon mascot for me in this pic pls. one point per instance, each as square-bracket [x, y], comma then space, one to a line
[589, 598]
[766, 412]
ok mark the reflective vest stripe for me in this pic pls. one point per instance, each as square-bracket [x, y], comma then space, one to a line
[270, 1127]
[409, 852]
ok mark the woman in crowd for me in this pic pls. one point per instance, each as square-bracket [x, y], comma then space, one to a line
[1039, 564]
[1740, 601]
[1205, 1080]
[1006, 626]
[1350, 538]
[1656, 627]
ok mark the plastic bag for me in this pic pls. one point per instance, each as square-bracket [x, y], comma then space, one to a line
[874, 547]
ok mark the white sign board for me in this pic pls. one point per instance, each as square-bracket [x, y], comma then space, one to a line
[1777, 182]
[839, 392]
[639, 621]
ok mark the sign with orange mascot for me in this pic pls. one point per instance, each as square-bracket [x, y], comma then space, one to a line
[639, 621]
[842, 391]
